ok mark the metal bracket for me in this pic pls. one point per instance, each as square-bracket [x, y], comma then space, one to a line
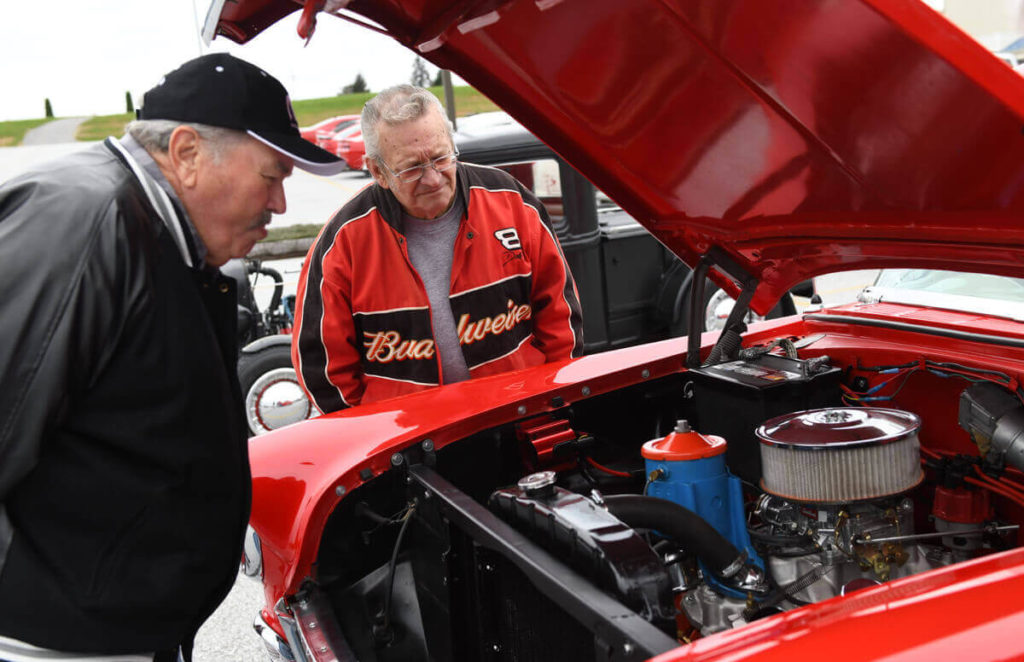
[748, 285]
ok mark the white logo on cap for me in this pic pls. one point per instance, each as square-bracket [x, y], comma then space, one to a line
[218, 68]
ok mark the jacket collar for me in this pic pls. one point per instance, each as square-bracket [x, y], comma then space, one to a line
[172, 215]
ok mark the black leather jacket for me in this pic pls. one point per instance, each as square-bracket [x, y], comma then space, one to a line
[124, 477]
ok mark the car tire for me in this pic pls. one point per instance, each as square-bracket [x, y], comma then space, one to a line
[271, 391]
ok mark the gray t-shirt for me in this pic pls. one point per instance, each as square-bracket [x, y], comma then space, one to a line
[431, 247]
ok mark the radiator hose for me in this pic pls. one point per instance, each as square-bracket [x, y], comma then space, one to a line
[682, 525]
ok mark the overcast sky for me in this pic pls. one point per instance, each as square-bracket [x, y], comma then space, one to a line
[85, 54]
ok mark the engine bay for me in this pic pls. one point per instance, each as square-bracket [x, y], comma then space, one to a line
[632, 522]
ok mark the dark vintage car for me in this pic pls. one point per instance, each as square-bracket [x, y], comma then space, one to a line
[844, 483]
[632, 289]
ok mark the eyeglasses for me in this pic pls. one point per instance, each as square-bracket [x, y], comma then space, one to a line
[415, 173]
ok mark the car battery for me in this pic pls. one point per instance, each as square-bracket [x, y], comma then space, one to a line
[732, 399]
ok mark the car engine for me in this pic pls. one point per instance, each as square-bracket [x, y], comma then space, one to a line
[769, 483]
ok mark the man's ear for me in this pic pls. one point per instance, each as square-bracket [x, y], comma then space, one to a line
[183, 153]
[378, 173]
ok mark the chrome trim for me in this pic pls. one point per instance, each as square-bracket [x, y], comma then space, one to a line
[277, 648]
[276, 399]
[252, 554]
[291, 631]
[911, 420]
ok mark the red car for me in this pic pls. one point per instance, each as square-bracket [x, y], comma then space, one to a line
[327, 126]
[846, 482]
[328, 139]
[352, 149]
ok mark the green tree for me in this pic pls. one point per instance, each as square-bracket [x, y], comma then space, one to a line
[129, 107]
[49, 108]
[420, 77]
[437, 80]
[358, 85]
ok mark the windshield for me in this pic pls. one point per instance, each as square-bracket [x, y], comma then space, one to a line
[981, 286]
[970, 292]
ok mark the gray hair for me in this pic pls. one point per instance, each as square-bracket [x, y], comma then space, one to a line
[155, 135]
[396, 105]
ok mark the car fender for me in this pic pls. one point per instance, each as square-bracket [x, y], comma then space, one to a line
[267, 341]
[340, 451]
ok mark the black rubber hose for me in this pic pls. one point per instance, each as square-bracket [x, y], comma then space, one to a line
[275, 275]
[676, 522]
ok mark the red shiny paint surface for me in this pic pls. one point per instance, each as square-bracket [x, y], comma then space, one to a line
[801, 136]
[961, 612]
[331, 137]
[297, 470]
[352, 149]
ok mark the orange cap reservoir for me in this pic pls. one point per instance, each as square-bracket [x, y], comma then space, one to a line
[688, 468]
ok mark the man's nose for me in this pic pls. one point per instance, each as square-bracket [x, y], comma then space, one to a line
[431, 175]
[276, 203]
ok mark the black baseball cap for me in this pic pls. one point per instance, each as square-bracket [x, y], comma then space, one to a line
[221, 90]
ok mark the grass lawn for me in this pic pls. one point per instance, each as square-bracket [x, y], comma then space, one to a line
[101, 126]
[11, 133]
[307, 111]
[298, 231]
[467, 102]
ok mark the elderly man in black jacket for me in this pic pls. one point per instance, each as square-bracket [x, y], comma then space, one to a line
[124, 478]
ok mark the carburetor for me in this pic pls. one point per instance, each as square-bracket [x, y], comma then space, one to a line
[840, 533]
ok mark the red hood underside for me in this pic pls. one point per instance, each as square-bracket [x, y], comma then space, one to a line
[799, 136]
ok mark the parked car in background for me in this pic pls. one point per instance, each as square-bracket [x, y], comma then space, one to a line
[352, 149]
[328, 138]
[326, 126]
[846, 483]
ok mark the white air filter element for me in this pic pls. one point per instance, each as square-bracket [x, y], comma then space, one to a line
[840, 455]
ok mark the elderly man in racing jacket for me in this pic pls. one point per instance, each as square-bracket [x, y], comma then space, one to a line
[124, 476]
[438, 272]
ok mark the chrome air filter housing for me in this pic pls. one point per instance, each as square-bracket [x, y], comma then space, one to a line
[840, 454]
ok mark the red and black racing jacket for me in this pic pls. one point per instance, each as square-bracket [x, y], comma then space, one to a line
[363, 322]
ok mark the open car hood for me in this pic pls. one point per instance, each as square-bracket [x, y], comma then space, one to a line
[799, 137]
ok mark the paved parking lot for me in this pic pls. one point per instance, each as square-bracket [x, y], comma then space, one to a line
[228, 635]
